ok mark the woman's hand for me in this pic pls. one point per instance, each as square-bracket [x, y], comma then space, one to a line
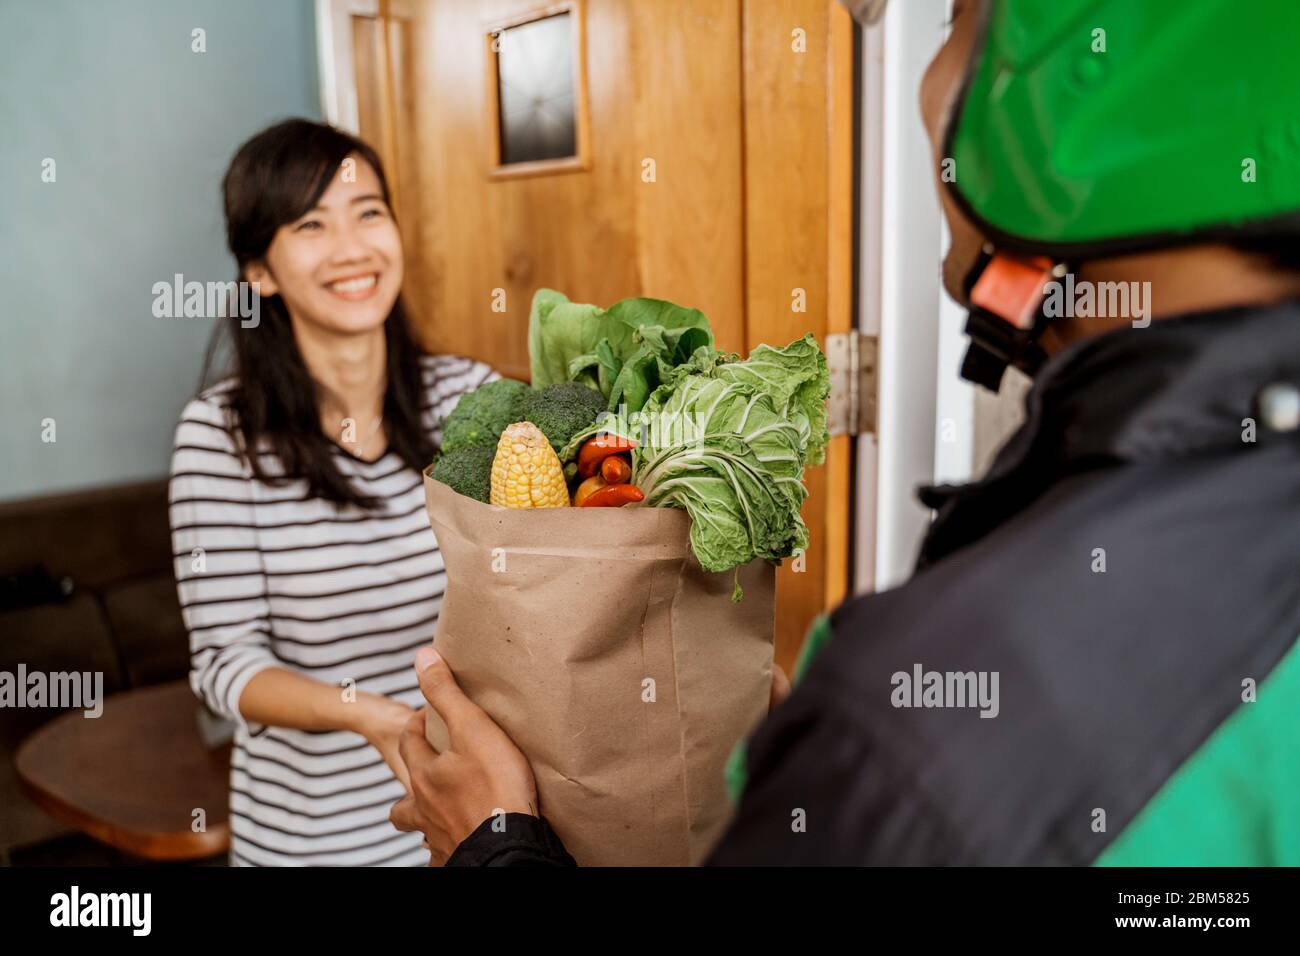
[480, 774]
[380, 720]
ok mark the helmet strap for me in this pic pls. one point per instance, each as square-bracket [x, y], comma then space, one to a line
[1006, 317]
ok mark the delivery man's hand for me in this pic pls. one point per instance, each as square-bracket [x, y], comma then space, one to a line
[480, 774]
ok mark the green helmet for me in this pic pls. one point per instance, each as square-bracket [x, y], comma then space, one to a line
[1091, 127]
[1086, 128]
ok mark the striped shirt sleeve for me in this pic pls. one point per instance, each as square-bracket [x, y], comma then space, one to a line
[219, 573]
[447, 379]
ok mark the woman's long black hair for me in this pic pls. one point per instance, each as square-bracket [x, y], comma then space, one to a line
[274, 179]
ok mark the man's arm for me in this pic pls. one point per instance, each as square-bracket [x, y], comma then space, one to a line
[512, 839]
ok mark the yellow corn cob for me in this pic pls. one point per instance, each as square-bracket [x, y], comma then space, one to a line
[526, 472]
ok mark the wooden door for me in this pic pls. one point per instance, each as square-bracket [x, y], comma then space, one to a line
[716, 171]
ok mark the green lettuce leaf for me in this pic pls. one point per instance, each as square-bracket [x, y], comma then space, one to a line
[725, 452]
[794, 377]
[625, 350]
[560, 331]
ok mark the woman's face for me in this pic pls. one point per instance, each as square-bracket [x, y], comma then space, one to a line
[339, 266]
[939, 89]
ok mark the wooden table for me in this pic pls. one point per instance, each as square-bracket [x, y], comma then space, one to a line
[133, 777]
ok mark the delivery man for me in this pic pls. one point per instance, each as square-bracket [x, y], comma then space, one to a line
[1096, 660]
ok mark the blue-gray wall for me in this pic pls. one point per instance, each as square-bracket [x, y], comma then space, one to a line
[141, 129]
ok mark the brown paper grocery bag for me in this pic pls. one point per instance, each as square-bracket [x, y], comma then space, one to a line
[621, 668]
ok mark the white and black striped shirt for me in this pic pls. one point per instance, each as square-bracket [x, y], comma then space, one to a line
[287, 580]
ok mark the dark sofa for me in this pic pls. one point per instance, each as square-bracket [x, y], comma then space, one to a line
[86, 583]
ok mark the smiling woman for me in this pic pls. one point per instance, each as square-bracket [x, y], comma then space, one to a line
[307, 572]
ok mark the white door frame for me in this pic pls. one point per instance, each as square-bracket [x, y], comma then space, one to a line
[901, 301]
[334, 62]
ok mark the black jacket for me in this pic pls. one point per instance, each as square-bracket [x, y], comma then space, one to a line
[1129, 563]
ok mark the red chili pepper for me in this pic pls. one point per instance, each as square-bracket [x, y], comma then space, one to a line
[616, 470]
[597, 449]
[614, 496]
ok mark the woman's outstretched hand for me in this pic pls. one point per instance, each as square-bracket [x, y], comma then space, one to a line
[381, 721]
[480, 774]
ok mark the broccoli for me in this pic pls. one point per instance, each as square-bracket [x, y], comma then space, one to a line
[467, 470]
[482, 415]
[563, 410]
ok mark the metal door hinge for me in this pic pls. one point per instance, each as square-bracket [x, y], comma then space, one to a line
[853, 361]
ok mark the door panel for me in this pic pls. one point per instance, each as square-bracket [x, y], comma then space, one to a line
[597, 235]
